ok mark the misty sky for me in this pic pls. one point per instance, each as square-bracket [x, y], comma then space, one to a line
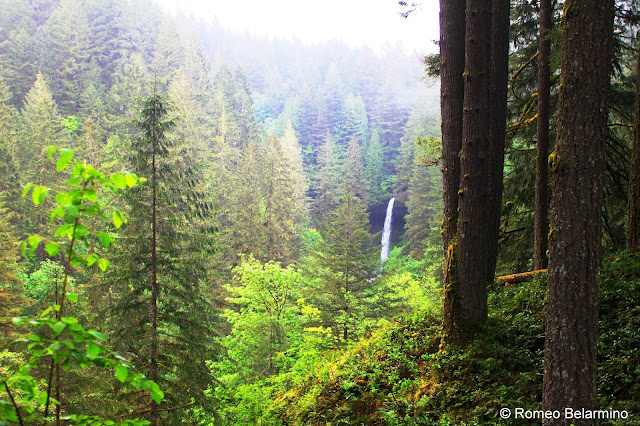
[356, 22]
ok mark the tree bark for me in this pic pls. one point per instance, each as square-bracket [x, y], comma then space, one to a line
[577, 164]
[498, 114]
[468, 291]
[153, 368]
[541, 216]
[452, 42]
[452, 35]
[633, 219]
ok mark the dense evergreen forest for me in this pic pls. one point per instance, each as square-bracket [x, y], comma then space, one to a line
[204, 227]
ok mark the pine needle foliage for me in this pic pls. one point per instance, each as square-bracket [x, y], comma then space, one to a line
[161, 314]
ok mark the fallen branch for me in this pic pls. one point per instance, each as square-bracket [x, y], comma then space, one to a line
[519, 278]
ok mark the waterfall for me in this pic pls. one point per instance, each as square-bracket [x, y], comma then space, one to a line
[386, 233]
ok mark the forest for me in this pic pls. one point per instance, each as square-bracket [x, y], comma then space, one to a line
[205, 227]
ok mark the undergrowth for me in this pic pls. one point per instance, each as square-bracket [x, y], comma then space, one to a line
[398, 376]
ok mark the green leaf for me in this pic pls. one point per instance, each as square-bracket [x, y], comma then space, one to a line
[105, 239]
[58, 327]
[103, 264]
[34, 242]
[63, 198]
[26, 190]
[52, 249]
[97, 335]
[93, 351]
[130, 179]
[39, 192]
[92, 258]
[72, 211]
[57, 212]
[72, 297]
[73, 181]
[90, 194]
[50, 151]
[77, 260]
[66, 155]
[119, 180]
[118, 218]
[155, 392]
[122, 372]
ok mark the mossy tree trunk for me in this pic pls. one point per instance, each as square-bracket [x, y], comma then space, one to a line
[498, 104]
[452, 35]
[541, 216]
[472, 238]
[633, 220]
[577, 181]
[472, 208]
[452, 39]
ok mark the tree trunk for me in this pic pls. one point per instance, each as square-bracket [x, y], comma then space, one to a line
[541, 217]
[468, 309]
[577, 165]
[153, 368]
[452, 30]
[452, 39]
[498, 105]
[633, 220]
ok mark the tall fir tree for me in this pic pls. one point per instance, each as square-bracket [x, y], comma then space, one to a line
[375, 170]
[160, 309]
[355, 181]
[42, 127]
[342, 264]
[575, 245]
[68, 53]
[327, 180]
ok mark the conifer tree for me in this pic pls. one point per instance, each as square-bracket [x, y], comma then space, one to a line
[68, 50]
[423, 203]
[355, 173]
[41, 128]
[160, 307]
[243, 230]
[342, 264]
[284, 203]
[633, 214]
[8, 120]
[327, 180]
[374, 170]
[168, 53]
[577, 166]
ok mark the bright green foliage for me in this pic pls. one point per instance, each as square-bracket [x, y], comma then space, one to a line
[266, 320]
[69, 344]
[267, 342]
[375, 170]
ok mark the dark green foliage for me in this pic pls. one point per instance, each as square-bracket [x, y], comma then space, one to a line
[343, 266]
[171, 255]
[618, 352]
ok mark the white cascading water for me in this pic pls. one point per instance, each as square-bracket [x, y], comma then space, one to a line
[386, 233]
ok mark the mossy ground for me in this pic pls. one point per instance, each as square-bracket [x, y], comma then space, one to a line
[398, 376]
